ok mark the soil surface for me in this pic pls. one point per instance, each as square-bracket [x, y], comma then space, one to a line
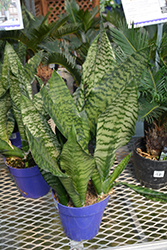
[91, 196]
[16, 162]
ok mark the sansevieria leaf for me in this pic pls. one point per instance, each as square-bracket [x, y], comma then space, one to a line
[109, 182]
[5, 79]
[78, 165]
[100, 60]
[9, 150]
[5, 105]
[146, 192]
[39, 127]
[115, 127]
[62, 109]
[42, 157]
[112, 84]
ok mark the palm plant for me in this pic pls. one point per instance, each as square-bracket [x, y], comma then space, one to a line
[152, 87]
[108, 108]
[39, 34]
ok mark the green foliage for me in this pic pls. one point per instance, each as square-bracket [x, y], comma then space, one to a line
[111, 94]
[15, 80]
[115, 122]
[152, 87]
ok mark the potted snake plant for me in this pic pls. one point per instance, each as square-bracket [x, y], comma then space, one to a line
[20, 163]
[101, 115]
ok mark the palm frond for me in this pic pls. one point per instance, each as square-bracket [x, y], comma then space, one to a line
[130, 40]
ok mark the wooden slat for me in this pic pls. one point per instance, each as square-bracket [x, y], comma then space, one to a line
[57, 6]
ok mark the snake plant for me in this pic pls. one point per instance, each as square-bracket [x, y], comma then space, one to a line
[11, 88]
[105, 107]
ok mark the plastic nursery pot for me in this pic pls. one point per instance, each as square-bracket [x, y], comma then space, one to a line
[81, 223]
[150, 173]
[29, 181]
[16, 139]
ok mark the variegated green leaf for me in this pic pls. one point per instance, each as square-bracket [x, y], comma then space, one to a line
[108, 183]
[115, 127]
[78, 165]
[5, 79]
[17, 69]
[100, 60]
[146, 192]
[10, 150]
[5, 105]
[39, 104]
[15, 94]
[62, 109]
[39, 127]
[54, 182]
[41, 155]
[10, 123]
[112, 84]
[31, 67]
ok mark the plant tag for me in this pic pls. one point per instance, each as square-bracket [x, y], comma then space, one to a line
[158, 174]
[13, 136]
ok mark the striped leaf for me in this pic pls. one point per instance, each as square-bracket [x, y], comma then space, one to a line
[5, 79]
[112, 84]
[30, 68]
[42, 157]
[62, 109]
[77, 164]
[55, 183]
[109, 182]
[15, 95]
[8, 150]
[10, 124]
[39, 104]
[17, 69]
[39, 127]
[100, 60]
[146, 192]
[5, 105]
[115, 127]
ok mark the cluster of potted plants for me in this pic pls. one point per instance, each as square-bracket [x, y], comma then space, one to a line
[91, 125]
[150, 151]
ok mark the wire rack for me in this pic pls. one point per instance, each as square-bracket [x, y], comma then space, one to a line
[129, 221]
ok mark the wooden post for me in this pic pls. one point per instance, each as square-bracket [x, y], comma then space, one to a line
[96, 2]
[44, 7]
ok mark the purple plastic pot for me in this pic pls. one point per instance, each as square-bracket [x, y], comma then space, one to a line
[29, 181]
[16, 139]
[81, 223]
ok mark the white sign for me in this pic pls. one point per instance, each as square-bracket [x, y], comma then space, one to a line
[158, 174]
[10, 15]
[145, 12]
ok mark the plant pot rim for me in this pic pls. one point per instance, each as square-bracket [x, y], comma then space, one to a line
[78, 208]
[135, 147]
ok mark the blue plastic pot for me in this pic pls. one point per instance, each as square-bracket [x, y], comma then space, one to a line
[81, 223]
[29, 181]
[16, 139]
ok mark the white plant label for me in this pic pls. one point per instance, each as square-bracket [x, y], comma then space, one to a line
[145, 12]
[159, 174]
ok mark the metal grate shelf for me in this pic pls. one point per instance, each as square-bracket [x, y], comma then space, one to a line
[129, 222]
